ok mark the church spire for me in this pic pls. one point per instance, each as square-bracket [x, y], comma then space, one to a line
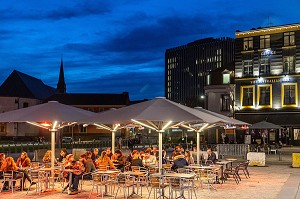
[61, 85]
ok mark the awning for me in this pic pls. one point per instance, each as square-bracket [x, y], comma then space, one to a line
[281, 119]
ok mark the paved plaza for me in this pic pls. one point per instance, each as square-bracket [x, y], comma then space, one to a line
[276, 180]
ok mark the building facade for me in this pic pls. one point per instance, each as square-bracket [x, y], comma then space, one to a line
[267, 74]
[187, 68]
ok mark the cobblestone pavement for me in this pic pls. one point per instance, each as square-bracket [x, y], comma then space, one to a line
[264, 183]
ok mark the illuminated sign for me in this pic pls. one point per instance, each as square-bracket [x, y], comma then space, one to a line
[268, 52]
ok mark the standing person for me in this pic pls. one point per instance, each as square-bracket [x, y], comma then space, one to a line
[130, 143]
[23, 160]
[120, 142]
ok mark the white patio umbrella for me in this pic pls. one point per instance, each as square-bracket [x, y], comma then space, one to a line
[223, 121]
[51, 116]
[158, 114]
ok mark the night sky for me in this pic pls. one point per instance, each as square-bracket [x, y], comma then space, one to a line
[116, 46]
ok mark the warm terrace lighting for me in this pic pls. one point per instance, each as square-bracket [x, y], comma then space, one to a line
[45, 124]
[150, 127]
[116, 126]
[54, 125]
[103, 126]
[167, 125]
[188, 127]
[203, 127]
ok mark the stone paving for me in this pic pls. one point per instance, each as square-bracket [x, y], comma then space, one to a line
[268, 182]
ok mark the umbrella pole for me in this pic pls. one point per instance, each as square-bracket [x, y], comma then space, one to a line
[160, 148]
[113, 136]
[198, 147]
[52, 153]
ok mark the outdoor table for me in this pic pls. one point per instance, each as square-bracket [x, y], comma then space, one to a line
[225, 163]
[47, 170]
[135, 174]
[232, 160]
[174, 175]
[107, 172]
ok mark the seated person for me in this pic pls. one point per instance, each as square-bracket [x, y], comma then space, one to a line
[95, 154]
[136, 160]
[104, 160]
[212, 158]
[109, 153]
[62, 156]
[179, 161]
[119, 159]
[10, 165]
[148, 158]
[23, 161]
[47, 158]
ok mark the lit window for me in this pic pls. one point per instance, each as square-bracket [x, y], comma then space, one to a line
[225, 102]
[208, 79]
[289, 94]
[247, 96]
[248, 43]
[248, 68]
[264, 95]
[226, 78]
[264, 41]
[264, 66]
[288, 64]
[289, 38]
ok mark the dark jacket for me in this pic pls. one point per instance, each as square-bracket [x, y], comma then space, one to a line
[212, 157]
[179, 162]
[137, 162]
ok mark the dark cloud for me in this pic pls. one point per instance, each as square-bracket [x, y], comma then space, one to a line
[55, 12]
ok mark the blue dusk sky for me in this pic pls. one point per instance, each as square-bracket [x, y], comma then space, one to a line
[116, 46]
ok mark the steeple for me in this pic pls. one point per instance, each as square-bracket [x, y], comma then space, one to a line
[61, 85]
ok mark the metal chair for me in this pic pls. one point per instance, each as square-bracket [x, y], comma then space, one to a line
[11, 177]
[158, 184]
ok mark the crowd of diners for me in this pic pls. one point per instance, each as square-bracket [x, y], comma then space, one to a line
[90, 161]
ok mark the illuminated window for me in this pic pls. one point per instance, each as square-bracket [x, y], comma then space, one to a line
[288, 64]
[225, 102]
[264, 95]
[248, 43]
[289, 38]
[264, 66]
[208, 79]
[226, 78]
[248, 68]
[247, 95]
[289, 94]
[264, 41]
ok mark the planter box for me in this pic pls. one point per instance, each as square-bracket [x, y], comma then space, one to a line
[256, 159]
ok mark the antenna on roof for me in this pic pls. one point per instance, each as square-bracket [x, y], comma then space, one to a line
[269, 22]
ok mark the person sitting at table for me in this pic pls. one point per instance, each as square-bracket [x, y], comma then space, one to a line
[23, 160]
[211, 158]
[155, 152]
[68, 164]
[149, 159]
[79, 169]
[119, 159]
[95, 154]
[47, 158]
[10, 165]
[136, 160]
[179, 162]
[109, 153]
[189, 158]
[62, 156]
[104, 160]
[2, 158]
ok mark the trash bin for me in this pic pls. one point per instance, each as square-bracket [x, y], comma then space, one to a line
[296, 159]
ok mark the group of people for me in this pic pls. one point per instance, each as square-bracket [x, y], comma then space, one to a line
[19, 169]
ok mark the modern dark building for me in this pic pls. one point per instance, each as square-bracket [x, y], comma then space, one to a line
[267, 76]
[187, 68]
